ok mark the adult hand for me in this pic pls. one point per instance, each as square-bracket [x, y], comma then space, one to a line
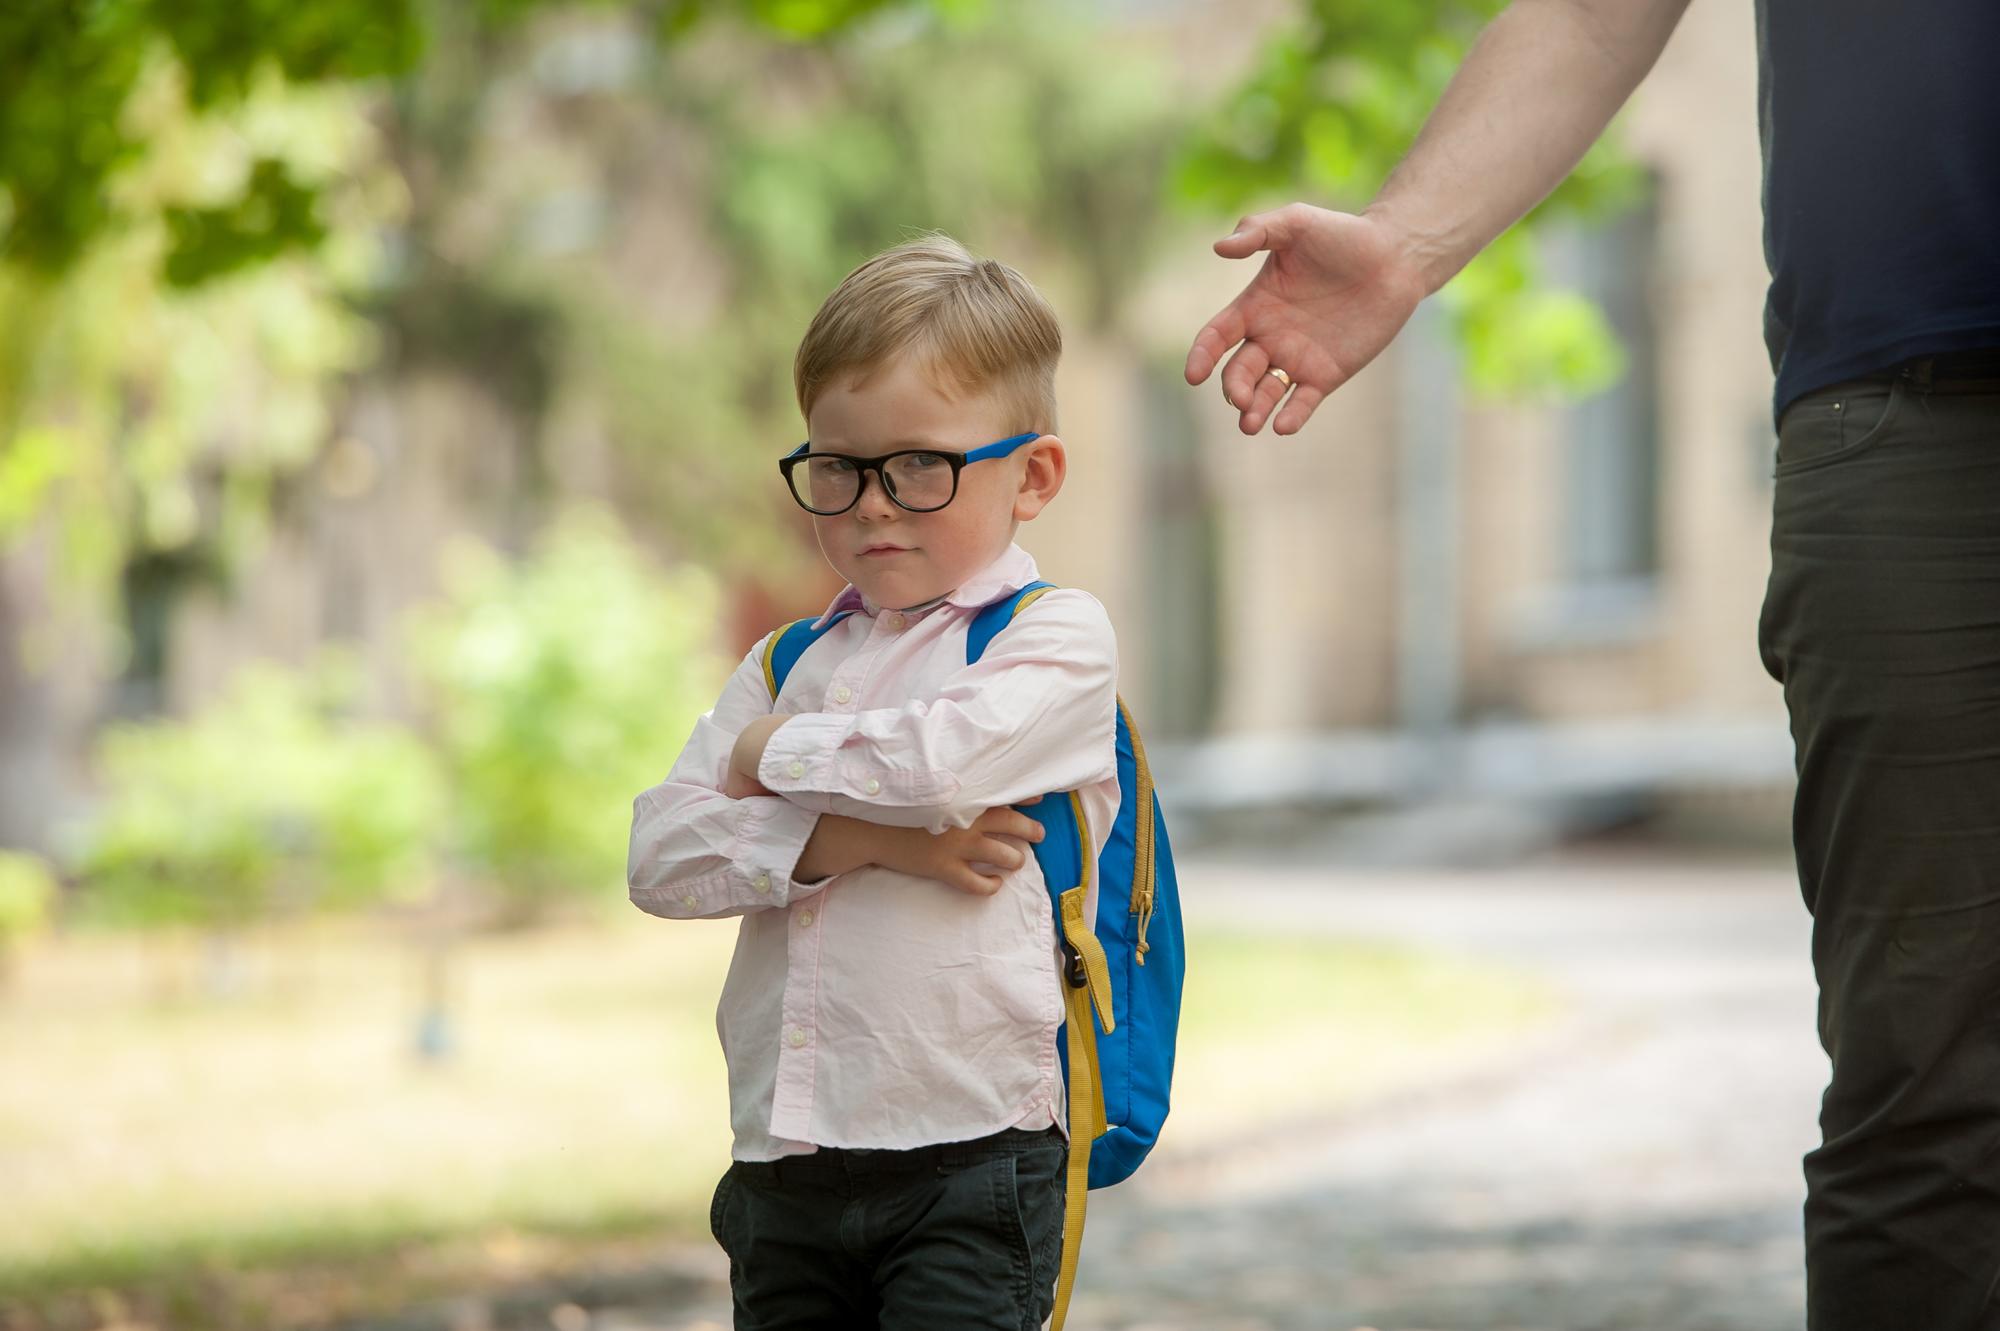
[1335, 289]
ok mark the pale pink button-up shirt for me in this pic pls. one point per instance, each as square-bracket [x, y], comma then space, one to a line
[873, 1008]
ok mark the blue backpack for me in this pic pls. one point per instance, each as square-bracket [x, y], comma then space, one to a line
[1127, 964]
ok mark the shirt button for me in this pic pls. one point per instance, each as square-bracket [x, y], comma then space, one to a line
[689, 899]
[873, 787]
[895, 621]
[797, 770]
[797, 1038]
[842, 694]
[763, 883]
[805, 919]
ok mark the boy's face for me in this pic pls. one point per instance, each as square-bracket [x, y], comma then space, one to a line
[898, 558]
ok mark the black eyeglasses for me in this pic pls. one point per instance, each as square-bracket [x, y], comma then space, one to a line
[921, 480]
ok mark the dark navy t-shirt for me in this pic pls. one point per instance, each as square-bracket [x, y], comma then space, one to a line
[1880, 122]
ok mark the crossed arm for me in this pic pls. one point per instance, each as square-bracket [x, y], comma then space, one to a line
[762, 806]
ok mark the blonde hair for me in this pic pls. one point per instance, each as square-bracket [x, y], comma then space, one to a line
[975, 321]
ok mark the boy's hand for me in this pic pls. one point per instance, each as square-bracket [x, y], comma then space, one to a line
[997, 838]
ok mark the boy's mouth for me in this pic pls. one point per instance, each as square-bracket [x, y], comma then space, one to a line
[885, 550]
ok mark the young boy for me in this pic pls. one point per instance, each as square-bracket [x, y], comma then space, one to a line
[891, 1014]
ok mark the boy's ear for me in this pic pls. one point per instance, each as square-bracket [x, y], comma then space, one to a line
[1042, 477]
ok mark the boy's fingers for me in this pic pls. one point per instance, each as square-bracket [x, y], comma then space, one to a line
[1010, 855]
[978, 884]
[1022, 826]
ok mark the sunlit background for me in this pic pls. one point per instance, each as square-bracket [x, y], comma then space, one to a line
[390, 396]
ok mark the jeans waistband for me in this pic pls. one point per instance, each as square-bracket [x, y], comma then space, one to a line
[1951, 372]
[855, 1161]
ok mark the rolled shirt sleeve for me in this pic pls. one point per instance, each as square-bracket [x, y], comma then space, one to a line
[695, 853]
[1035, 714]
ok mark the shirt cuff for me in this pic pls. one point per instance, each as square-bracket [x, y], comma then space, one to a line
[803, 762]
[769, 840]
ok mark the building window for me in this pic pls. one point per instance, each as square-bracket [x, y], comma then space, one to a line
[1610, 443]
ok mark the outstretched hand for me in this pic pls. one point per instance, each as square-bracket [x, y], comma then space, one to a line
[1334, 290]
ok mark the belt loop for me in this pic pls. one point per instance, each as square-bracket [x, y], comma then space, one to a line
[1918, 372]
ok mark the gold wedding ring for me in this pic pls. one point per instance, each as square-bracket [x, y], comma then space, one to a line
[1281, 376]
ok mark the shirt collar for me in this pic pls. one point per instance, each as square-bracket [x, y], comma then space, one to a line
[1013, 570]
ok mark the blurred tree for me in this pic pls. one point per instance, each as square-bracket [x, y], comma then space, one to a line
[70, 71]
[197, 199]
[145, 427]
[557, 684]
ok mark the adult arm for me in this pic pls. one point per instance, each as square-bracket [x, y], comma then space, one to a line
[1536, 90]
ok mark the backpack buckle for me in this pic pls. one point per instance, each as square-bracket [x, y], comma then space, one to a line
[1073, 968]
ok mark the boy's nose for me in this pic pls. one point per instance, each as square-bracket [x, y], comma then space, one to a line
[874, 500]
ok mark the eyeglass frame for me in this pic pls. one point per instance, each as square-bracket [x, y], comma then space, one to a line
[1000, 448]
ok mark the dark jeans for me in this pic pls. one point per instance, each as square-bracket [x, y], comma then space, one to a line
[1882, 621]
[966, 1235]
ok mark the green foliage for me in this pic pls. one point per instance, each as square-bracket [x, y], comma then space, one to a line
[1331, 106]
[1522, 338]
[69, 74]
[271, 799]
[27, 896]
[1069, 157]
[70, 71]
[556, 684]
[144, 421]
[276, 213]
[181, 178]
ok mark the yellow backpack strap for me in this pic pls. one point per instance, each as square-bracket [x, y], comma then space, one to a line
[770, 653]
[1086, 1087]
[1028, 599]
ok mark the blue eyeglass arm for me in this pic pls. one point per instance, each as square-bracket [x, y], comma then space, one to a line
[1001, 449]
[980, 454]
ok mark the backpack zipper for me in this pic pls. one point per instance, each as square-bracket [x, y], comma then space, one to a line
[1142, 836]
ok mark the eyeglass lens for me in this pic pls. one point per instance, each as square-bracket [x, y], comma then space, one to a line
[915, 480]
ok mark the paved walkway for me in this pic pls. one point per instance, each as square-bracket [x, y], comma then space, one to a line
[1637, 1168]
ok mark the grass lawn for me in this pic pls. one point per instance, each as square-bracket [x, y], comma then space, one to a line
[157, 1144]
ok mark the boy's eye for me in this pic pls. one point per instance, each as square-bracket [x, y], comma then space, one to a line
[924, 460]
[836, 466]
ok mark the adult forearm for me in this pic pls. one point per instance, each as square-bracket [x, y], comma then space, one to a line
[1537, 89]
